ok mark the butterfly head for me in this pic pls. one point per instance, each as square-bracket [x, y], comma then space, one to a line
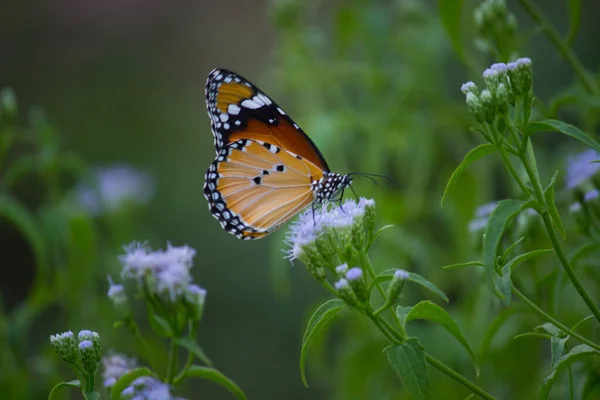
[330, 185]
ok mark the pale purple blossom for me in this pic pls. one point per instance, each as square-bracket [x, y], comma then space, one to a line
[115, 366]
[512, 66]
[524, 61]
[112, 187]
[500, 67]
[482, 214]
[354, 274]
[342, 269]
[401, 274]
[61, 337]
[468, 87]
[580, 168]
[85, 345]
[87, 334]
[341, 284]
[591, 195]
[116, 292]
[490, 73]
[575, 207]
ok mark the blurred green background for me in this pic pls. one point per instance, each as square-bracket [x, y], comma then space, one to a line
[374, 83]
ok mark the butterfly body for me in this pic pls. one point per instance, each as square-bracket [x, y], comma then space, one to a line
[266, 169]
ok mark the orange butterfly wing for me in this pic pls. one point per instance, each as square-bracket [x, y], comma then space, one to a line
[239, 110]
[254, 187]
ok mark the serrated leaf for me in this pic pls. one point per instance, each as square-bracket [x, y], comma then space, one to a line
[450, 12]
[316, 323]
[126, 379]
[574, 19]
[577, 353]
[506, 280]
[496, 225]
[408, 360]
[193, 347]
[472, 156]
[552, 210]
[434, 313]
[416, 278]
[551, 125]
[216, 376]
[63, 385]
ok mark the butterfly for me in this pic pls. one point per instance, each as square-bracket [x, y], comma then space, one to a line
[266, 168]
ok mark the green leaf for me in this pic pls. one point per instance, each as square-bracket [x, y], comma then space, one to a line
[472, 156]
[27, 224]
[465, 264]
[383, 228]
[583, 251]
[574, 19]
[552, 210]
[91, 396]
[550, 328]
[557, 348]
[316, 323]
[434, 313]
[159, 325]
[551, 125]
[416, 278]
[506, 281]
[511, 247]
[577, 353]
[451, 15]
[496, 225]
[408, 360]
[217, 377]
[193, 347]
[63, 385]
[126, 379]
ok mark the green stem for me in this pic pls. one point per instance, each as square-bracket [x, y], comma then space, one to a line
[458, 378]
[172, 361]
[511, 169]
[552, 35]
[397, 338]
[553, 320]
[365, 262]
[528, 160]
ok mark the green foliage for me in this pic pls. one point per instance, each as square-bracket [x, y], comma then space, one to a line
[408, 360]
[316, 323]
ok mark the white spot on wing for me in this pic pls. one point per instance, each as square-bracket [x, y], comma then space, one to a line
[234, 109]
[224, 117]
[251, 104]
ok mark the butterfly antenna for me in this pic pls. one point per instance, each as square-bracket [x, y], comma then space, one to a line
[370, 176]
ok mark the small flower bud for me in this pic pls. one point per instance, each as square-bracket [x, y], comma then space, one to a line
[491, 78]
[469, 87]
[341, 269]
[474, 107]
[525, 75]
[195, 296]
[502, 98]
[90, 358]
[487, 105]
[346, 293]
[357, 281]
[500, 67]
[65, 346]
[396, 285]
[116, 294]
